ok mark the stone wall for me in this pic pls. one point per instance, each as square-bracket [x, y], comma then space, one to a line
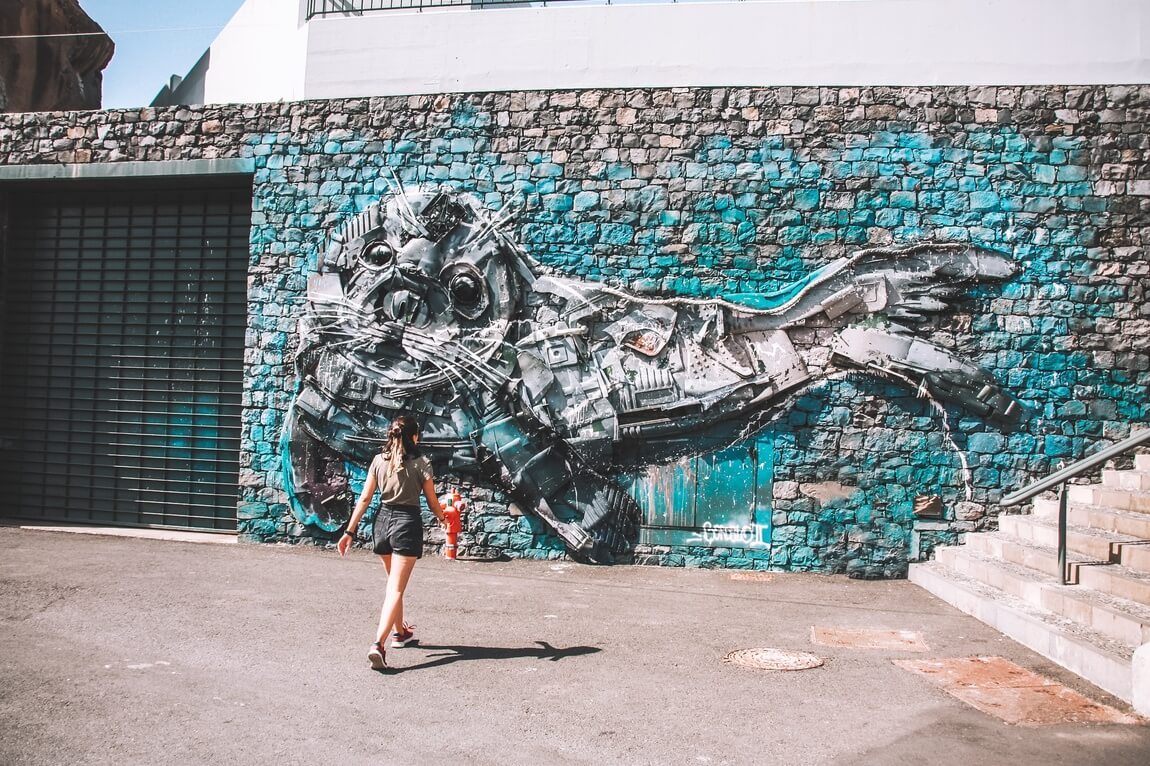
[694, 191]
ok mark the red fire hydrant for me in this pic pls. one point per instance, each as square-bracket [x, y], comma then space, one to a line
[453, 524]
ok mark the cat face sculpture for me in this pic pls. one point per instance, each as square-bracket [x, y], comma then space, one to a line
[546, 386]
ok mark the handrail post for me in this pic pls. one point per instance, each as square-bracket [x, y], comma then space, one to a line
[1062, 492]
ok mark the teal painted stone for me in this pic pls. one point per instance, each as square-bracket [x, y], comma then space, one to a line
[888, 217]
[745, 233]
[795, 234]
[620, 172]
[692, 170]
[585, 200]
[558, 203]
[547, 170]
[247, 511]
[806, 199]
[587, 233]
[1057, 446]
[1044, 174]
[984, 201]
[503, 173]
[810, 170]
[260, 528]
[617, 234]
[986, 443]
[903, 199]
[462, 145]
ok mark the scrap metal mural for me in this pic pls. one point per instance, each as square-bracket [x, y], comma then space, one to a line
[550, 387]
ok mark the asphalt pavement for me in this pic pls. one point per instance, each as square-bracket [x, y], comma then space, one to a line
[117, 650]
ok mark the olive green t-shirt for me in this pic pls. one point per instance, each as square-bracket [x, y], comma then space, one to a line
[405, 484]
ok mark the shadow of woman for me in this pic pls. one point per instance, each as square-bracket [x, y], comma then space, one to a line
[542, 651]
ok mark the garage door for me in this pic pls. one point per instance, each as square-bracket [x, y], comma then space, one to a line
[123, 333]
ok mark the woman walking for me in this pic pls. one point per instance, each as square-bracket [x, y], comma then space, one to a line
[400, 473]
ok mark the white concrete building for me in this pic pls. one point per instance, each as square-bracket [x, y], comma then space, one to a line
[287, 50]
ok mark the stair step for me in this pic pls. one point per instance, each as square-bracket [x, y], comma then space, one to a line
[1142, 462]
[1115, 579]
[1138, 481]
[1113, 520]
[1097, 544]
[1109, 497]
[1097, 658]
[1120, 619]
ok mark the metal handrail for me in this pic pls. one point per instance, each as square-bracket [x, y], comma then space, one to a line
[1061, 477]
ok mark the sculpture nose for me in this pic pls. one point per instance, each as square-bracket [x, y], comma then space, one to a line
[405, 307]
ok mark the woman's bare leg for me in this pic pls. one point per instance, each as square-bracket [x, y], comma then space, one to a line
[397, 576]
[383, 629]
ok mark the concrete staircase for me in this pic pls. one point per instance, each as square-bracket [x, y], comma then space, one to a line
[1095, 628]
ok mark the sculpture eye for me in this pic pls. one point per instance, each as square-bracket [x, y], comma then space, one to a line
[467, 291]
[378, 255]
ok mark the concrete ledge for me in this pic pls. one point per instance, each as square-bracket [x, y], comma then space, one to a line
[112, 170]
[171, 535]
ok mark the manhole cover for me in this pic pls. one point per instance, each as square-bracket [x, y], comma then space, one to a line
[773, 659]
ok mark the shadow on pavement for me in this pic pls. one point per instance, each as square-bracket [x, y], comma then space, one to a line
[544, 651]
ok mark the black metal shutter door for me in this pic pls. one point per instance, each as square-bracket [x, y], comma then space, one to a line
[123, 355]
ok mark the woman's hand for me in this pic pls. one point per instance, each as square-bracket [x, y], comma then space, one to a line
[344, 543]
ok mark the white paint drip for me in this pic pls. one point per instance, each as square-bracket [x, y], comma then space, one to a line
[923, 393]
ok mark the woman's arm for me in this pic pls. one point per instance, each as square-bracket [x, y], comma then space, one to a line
[360, 509]
[433, 499]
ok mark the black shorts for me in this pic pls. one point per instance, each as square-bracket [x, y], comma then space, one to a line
[398, 529]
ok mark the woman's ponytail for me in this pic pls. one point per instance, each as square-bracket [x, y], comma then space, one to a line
[401, 441]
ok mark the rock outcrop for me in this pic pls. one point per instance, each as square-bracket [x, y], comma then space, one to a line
[53, 56]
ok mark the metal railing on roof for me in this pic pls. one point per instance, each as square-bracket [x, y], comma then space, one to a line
[359, 7]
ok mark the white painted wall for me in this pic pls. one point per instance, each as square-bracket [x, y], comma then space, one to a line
[754, 42]
[260, 55]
